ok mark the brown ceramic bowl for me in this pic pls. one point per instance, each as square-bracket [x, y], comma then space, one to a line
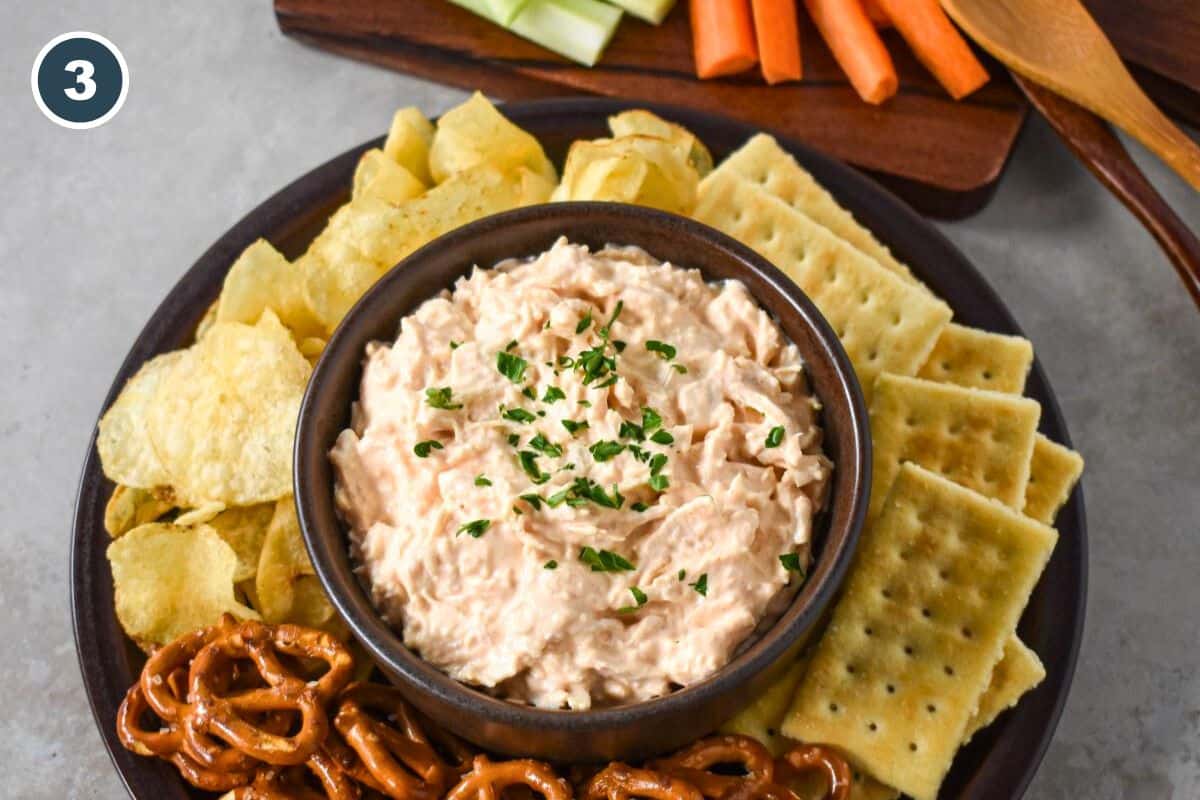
[623, 732]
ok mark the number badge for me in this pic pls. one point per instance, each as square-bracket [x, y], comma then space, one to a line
[80, 80]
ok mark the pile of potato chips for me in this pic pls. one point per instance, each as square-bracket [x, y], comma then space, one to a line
[919, 654]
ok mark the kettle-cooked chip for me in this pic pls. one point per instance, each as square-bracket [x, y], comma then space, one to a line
[170, 580]
[639, 122]
[244, 528]
[382, 178]
[223, 418]
[262, 279]
[408, 142]
[126, 452]
[643, 170]
[129, 507]
[475, 134]
[282, 562]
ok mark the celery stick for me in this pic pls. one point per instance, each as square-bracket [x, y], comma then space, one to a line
[576, 29]
[654, 11]
[505, 11]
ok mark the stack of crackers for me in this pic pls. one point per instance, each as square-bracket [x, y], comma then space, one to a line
[921, 649]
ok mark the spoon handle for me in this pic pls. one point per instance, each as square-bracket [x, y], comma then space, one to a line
[1094, 143]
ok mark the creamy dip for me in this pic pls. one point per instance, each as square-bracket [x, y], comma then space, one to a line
[583, 478]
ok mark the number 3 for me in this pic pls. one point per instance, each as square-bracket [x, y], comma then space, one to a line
[84, 70]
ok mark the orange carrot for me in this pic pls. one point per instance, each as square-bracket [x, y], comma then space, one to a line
[875, 14]
[856, 46]
[937, 44]
[778, 39]
[722, 37]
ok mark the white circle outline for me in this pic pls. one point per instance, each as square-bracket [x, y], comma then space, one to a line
[66, 123]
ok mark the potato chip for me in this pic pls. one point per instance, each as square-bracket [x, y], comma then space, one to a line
[382, 178]
[408, 142]
[262, 279]
[200, 515]
[643, 170]
[126, 453]
[244, 528]
[367, 237]
[206, 322]
[638, 122]
[128, 507]
[475, 134]
[282, 561]
[170, 580]
[223, 419]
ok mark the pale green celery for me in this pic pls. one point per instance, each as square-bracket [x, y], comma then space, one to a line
[654, 11]
[505, 11]
[576, 29]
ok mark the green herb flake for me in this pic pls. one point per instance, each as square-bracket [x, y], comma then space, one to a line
[511, 366]
[664, 351]
[629, 430]
[619, 345]
[607, 329]
[566, 362]
[639, 506]
[534, 500]
[545, 446]
[553, 394]
[528, 392]
[551, 564]
[585, 403]
[512, 345]
[662, 437]
[513, 440]
[610, 381]
[517, 415]
[584, 323]
[659, 483]
[441, 397]
[422, 449]
[651, 419]
[482, 480]
[605, 450]
[657, 462]
[639, 453]
[475, 528]
[680, 368]
[701, 585]
[604, 561]
[775, 437]
[639, 597]
[791, 562]
[682, 575]
[455, 345]
[528, 461]
[574, 427]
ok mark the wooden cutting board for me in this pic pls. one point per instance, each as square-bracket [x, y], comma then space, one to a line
[944, 157]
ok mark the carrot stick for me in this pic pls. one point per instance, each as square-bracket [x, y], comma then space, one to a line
[856, 46]
[778, 39]
[875, 14]
[937, 44]
[722, 37]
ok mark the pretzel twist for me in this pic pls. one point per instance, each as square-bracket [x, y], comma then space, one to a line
[488, 780]
[694, 764]
[622, 782]
[817, 758]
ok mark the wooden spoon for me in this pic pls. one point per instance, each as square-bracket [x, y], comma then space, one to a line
[1102, 152]
[1057, 44]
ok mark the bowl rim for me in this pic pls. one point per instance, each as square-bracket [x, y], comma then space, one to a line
[385, 644]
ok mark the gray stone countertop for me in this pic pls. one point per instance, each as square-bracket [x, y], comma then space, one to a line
[223, 111]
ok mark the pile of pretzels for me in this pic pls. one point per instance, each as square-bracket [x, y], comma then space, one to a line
[268, 712]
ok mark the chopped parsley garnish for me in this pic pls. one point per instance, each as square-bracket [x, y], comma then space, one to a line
[517, 415]
[619, 345]
[482, 480]
[682, 574]
[574, 427]
[662, 437]
[528, 392]
[551, 564]
[455, 345]
[775, 437]
[513, 440]
[605, 449]
[665, 351]
[541, 413]
[441, 397]
[631, 431]
[585, 490]
[791, 562]
[528, 461]
[639, 506]
[607, 329]
[566, 362]
[594, 363]
[512, 345]
[657, 462]
[604, 561]
[545, 446]
[517, 511]
[612, 379]
[640, 454]
[659, 483]
[651, 419]
[511, 366]
[422, 449]
[701, 585]
[680, 368]
[584, 323]
[585, 403]
[475, 528]
[639, 597]
[534, 500]
[553, 394]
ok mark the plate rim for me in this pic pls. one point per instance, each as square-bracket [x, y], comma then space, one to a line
[285, 210]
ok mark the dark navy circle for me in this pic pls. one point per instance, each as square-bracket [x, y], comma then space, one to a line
[79, 80]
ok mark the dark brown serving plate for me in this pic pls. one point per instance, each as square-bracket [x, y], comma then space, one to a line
[997, 765]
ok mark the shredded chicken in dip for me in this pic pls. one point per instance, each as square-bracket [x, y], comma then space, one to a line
[582, 479]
